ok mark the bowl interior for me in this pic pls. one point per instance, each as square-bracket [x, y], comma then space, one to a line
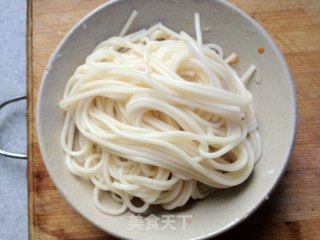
[274, 101]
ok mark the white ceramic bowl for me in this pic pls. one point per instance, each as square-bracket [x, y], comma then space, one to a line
[274, 100]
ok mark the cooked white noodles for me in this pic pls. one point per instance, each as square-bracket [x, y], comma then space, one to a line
[159, 116]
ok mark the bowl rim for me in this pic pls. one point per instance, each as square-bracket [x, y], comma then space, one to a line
[226, 4]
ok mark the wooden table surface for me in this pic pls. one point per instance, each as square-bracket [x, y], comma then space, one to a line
[293, 210]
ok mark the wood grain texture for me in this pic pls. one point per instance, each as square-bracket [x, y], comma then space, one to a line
[293, 210]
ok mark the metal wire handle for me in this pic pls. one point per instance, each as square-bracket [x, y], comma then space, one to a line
[5, 153]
